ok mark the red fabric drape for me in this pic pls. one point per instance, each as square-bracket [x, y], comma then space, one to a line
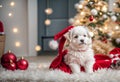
[101, 61]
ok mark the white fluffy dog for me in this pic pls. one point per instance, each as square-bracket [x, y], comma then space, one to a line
[80, 51]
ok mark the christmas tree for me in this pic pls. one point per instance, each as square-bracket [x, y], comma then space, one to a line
[116, 35]
[104, 25]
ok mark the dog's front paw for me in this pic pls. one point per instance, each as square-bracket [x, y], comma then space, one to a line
[74, 67]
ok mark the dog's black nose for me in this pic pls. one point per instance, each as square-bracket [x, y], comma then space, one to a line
[82, 40]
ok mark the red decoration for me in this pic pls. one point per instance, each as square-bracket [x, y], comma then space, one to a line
[11, 66]
[22, 64]
[91, 18]
[8, 60]
[1, 28]
[7, 57]
[104, 39]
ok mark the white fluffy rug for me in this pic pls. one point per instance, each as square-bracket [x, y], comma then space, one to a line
[41, 73]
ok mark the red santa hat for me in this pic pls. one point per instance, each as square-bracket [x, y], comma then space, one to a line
[60, 36]
[1, 28]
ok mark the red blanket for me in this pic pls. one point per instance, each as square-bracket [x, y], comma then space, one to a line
[101, 61]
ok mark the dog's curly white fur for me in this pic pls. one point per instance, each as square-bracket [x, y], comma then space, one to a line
[80, 51]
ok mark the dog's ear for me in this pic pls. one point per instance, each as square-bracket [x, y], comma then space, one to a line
[67, 35]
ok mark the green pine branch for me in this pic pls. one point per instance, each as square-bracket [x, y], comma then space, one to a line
[92, 25]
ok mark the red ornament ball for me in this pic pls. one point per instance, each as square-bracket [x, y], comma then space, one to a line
[22, 64]
[91, 18]
[9, 66]
[7, 57]
[104, 40]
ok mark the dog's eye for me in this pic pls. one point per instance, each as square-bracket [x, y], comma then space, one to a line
[84, 35]
[76, 36]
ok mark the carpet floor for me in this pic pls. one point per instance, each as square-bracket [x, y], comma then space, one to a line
[39, 72]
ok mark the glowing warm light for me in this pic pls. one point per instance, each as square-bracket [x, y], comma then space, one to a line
[94, 20]
[48, 11]
[100, 13]
[12, 3]
[47, 22]
[1, 6]
[81, 20]
[112, 32]
[15, 30]
[100, 29]
[10, 14]
[91, 34]
[99, 3]
[98, 8]
[77, 21]
[114, 4]
[104, 9]
[88, 0]
[82, 13]
[117, 27]
[105, 28]
[17, 44]
[38, 48]
[80, 6]
[95, 0]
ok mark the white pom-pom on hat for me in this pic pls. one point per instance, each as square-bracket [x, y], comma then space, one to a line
[71, 21]
[53, 44]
